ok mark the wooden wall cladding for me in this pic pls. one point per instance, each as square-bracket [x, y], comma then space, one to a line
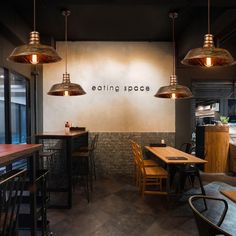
[217, 148]
[232, 154]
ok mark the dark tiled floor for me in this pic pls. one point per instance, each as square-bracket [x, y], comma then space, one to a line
[116, 209]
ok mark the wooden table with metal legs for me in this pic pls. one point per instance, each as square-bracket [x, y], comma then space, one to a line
[172, 156]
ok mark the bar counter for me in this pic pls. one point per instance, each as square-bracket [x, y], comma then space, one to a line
[70, 141]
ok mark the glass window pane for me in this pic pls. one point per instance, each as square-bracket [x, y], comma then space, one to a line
[18, 86]
[2, 107]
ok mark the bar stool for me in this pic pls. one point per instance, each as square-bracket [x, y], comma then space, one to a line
[11, 190]
[42, 200]
[83, 166]
[84, 151]
[46, 159]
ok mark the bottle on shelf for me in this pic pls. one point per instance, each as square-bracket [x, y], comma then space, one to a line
[67, 127]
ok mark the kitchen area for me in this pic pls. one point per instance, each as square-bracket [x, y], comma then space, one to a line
[217, 114]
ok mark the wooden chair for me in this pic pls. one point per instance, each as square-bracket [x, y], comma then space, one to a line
[207, 227]
[151, 178]
[146, 163]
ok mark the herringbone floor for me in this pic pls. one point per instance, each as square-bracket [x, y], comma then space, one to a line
[116, 209]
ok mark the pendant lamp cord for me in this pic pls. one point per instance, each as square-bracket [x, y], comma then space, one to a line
[34, 15]
[209, 27]
[66, 40]
[173, 39]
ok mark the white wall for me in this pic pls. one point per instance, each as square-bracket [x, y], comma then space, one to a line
[93, 64]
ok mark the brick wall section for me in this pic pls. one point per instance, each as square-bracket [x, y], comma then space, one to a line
[113, 155]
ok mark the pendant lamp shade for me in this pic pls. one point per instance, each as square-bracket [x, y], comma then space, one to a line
[66, 88]
[208, 55]
[174, 90]
[34, 52]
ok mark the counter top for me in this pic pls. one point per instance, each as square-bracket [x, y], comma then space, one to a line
[12, 152]
[217, 128]
[61, 133]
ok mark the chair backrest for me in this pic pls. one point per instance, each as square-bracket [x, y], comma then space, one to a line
[94, 142]
[139, 157]
[134, 152]
[205, 226]
[11, 189]
[186, 147]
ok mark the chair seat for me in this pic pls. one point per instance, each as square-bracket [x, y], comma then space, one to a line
[46, 154]
[155, 172]
[149, 163]
[84, 149]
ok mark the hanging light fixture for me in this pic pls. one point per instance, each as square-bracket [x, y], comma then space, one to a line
[174, 90]
[34, 52]
[208, 55]
[66, 88]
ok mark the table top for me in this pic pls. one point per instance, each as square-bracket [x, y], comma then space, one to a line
[61, 134]
[231, 194]
[172, 155]
[12, 152]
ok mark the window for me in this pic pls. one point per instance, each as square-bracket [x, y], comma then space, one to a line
[18, 87]
[14, 107]
[2, 107]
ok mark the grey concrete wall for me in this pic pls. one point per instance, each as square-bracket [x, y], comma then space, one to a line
[98, 65]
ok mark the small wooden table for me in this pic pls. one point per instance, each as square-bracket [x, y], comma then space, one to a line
[13, 152]
[173, 156]
[231, 194]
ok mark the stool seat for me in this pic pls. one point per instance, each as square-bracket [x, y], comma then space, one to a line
[80, 154]
[46, 154]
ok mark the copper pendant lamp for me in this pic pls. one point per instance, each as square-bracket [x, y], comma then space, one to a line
[174, 90]
[66, 88]
[208, 55]
[34, 52]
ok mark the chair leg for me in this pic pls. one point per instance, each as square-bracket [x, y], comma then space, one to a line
[94, 168]
[191, 180]
[143, 186]
[85, 180]
[181, 182]
[201, 186]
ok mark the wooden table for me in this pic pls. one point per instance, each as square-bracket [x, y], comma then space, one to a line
[231, 194]
[164, 154]
[72, 140]
[13, 152]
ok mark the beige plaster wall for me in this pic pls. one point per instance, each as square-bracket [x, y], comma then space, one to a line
[105, 64]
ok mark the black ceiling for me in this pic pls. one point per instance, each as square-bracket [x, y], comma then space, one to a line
[125, 19]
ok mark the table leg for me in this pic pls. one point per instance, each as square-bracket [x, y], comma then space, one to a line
[32, 174]
[168, 179]
[69, 171]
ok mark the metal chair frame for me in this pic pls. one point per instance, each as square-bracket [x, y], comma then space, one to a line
[205, 226]
[11, 190]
